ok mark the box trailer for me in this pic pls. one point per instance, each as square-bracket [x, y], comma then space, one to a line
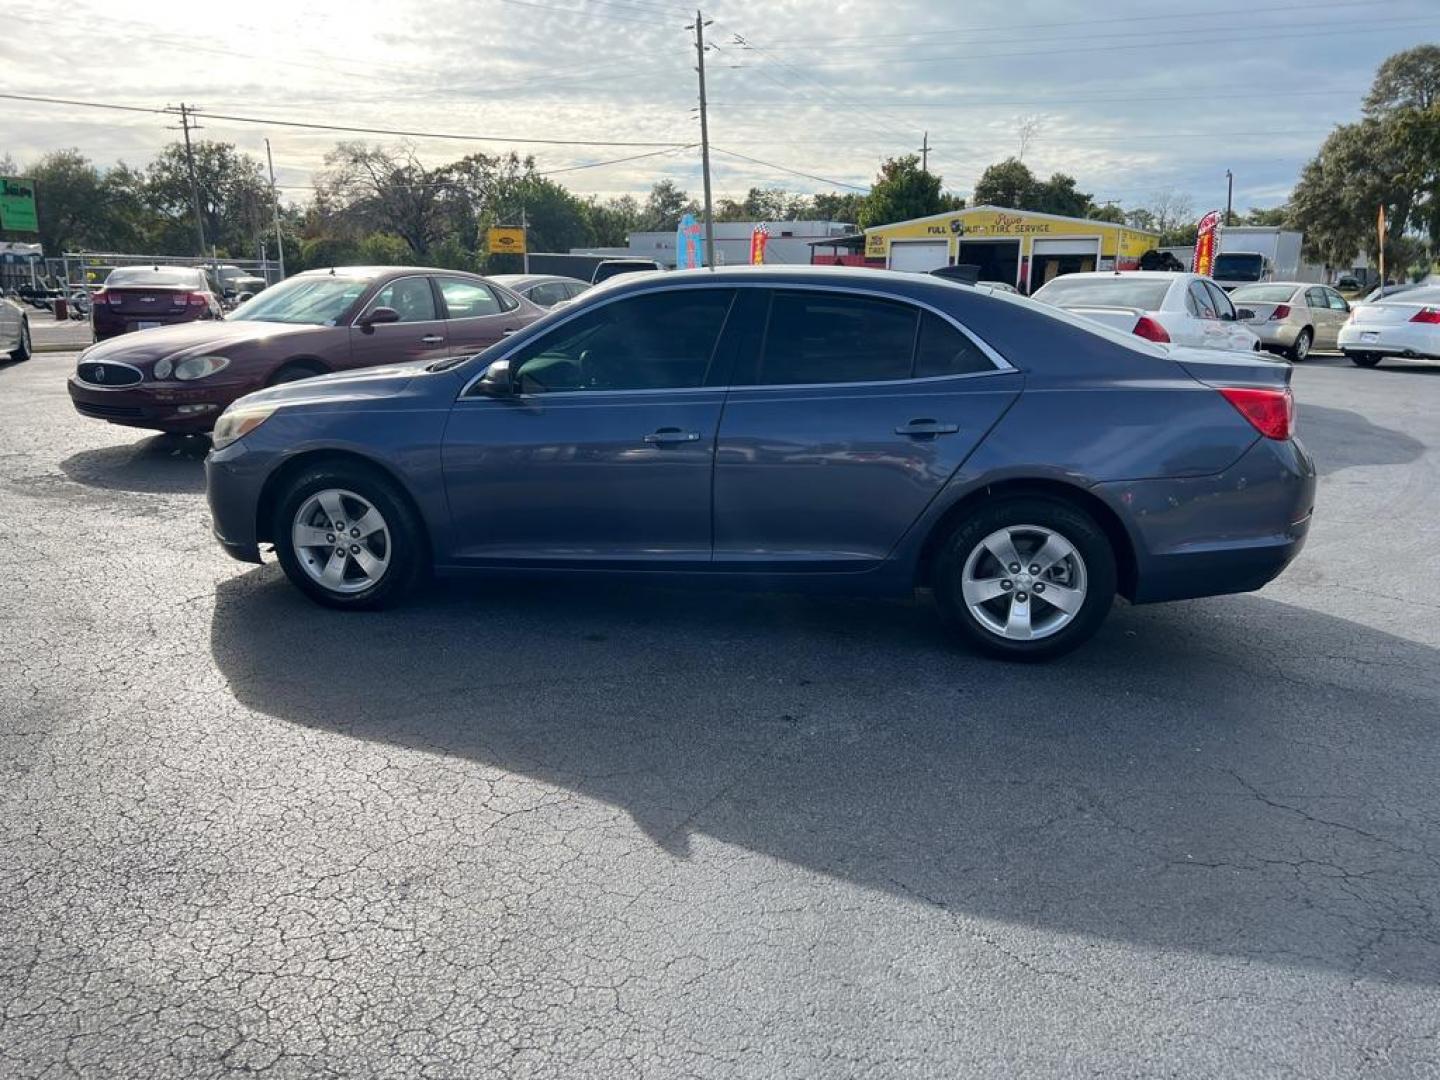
[1250, 253]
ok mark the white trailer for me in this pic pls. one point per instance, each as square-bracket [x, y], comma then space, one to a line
[1250, 253]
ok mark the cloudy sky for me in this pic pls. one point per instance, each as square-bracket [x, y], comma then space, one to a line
[1130, 96]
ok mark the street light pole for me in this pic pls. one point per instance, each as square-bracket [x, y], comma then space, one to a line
[705, 141]
[275, 202]
[1229, 195]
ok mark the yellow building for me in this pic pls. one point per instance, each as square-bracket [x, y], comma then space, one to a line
[1019, 247]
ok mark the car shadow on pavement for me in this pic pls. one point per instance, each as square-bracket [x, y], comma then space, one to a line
[1341, 439]
[1236, 777]
[160, 464]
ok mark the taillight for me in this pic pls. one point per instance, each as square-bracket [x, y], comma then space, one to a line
[1426, 315]
[1149, 329]
[1270, 412]
[196, 299]
[179, 299]
[1282, 311]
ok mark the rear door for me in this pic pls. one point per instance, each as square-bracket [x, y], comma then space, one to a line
[419, 335]
[847, 415]
[477, 315]
[1339, 316]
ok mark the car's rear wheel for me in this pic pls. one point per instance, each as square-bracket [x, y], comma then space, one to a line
[1365, 359]
[348, 538]
[1026, 578]
[1301, 349]
[24, 350]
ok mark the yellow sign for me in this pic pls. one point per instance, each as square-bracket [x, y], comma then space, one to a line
[874, 245]
[506, 239]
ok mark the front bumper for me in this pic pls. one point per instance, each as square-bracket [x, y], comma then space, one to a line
[1391, 339]
[157, 406]
[234, 481]
[1231, 532]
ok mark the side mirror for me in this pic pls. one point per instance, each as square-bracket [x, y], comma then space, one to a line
[1245, 313]
[497, 380]
[376, 316]
[229, 294]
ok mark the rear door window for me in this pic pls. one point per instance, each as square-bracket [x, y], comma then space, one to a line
[1200, 302]
[548, 293]
[822, 337]
[468, 299]
[944, 350]
[1223, 308]
[1316, 298]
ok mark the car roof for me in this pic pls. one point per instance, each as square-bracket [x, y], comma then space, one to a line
[1131, 275]
[519, 281]
[1283, 284]
[380, 271]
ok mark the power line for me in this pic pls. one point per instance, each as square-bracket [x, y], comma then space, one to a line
[970, 103]
[786, 169]
[400, 132]
[618, 161]
[648, 20]
[1208, 16]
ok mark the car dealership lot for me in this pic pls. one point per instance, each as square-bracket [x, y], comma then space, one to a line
[591, 830]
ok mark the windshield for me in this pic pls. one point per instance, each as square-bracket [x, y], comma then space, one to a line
[1429, 295]
[1147, 294]
[1264, 294]
[153, 276]
[318, 301]
[1238, 266]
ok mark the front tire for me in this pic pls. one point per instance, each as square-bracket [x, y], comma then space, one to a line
[1365, 359]
[347, 537]
[1026, 578]
[1301, 349]
[26, 348]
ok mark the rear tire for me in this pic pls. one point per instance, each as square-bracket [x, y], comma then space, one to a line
[1301, 349]
[25, 349]
[379, 555]
[1020, 615]
[1365, 359]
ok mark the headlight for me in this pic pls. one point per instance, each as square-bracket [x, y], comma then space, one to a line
[163, 369]
[198, 367]
[237, 423]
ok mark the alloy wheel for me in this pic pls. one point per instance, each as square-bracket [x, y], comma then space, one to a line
[1024, 582]
[341, 540]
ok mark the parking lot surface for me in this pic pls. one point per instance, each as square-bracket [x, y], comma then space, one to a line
[603, 831]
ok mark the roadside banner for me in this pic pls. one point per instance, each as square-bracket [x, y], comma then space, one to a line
[507, 239]
[689, 251]
[17, 204]
[759, 237]
[1207, 236]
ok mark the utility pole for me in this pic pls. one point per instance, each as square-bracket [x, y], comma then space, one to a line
[275, 203]
[699, 29]
[1229, 194]
[185, 125]
[525, 239]
[925, 153]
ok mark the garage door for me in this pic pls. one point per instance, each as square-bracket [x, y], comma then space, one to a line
[919, 255]
[1065, 247]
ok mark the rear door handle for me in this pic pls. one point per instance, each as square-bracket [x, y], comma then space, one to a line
[671, 435]
[431, 339]
[927, 427]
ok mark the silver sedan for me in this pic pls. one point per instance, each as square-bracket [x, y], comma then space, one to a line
[1292, 317]
[14, 330]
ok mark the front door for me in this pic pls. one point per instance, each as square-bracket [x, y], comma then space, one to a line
[603, 457]
[477, 315]
[419, 335]
[847, 415]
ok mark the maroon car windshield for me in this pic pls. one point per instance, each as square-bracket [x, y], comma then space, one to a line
[316, 301]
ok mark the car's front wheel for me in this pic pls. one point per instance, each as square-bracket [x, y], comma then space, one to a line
[348, 538]
[1026, 578]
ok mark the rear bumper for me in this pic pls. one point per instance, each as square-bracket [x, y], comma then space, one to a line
[1274, 335]
[1228, 533]
[1394, 339]
[109, 324]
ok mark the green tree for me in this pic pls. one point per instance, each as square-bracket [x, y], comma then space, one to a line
[612, 221]
[1109, 212]
[838, 206]
[665, 206]
[1275, 216]
[1407, 80]
[1058, 196]
[81, 207]
[234, 199]
[1008, 183]
[903, 191]
[375, 188]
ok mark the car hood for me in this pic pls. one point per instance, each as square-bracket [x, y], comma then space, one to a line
[366, 383]
[196, 337]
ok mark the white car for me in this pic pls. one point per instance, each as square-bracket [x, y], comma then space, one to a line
[1402, 324]
[1181, 309]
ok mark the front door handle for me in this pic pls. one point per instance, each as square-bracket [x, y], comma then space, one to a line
[927, 427]
[671, 435]
[431, 339]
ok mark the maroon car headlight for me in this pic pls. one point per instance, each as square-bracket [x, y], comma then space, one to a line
[196, 367]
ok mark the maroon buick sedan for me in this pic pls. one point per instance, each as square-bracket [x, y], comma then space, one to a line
[145, 297]
[180, 378]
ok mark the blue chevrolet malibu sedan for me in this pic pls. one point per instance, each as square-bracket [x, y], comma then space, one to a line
[844, 429]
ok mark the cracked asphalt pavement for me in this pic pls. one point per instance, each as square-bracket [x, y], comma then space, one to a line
[598, 831]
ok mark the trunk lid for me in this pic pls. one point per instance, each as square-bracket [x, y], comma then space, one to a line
[1262, 312]
[1389, 313]
[1218, 368]
[1120, 318]
[158, 300]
